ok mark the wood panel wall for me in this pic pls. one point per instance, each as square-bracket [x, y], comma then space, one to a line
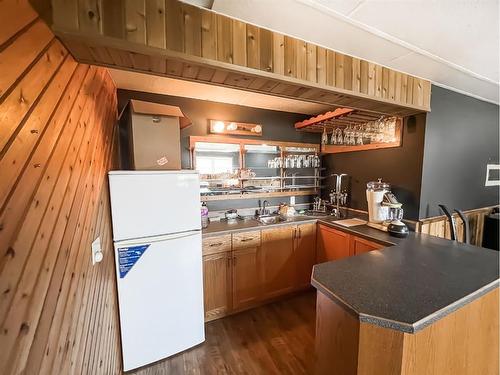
[439, 226]
[58, 313]
[172, 38]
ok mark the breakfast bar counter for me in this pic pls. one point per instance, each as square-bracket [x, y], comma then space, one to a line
[425, 305]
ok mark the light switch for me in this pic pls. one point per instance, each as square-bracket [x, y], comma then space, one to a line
[96, 251]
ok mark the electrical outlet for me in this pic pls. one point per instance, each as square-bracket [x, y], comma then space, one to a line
[96, 251]
[292, 200]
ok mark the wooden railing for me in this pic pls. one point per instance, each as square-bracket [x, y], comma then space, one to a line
[440, 226]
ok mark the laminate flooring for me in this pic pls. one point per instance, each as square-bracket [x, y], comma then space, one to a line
[277, 338]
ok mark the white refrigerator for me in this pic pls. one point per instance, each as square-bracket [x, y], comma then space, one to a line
[157, 242]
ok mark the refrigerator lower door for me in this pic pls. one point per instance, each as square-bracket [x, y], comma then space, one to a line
[160, 296]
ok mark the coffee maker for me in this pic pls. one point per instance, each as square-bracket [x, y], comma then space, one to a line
[384, 211]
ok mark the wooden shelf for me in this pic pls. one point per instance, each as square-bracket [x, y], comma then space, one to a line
[222, 197]
[335, 149]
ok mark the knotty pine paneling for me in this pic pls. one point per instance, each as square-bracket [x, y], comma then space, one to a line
[172, 30]
[440, 226]
[58, 313]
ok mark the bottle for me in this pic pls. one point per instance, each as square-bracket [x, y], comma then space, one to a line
[204, 215]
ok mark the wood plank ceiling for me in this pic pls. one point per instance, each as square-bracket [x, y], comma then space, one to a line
[171, 38]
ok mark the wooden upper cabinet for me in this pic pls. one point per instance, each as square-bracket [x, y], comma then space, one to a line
[277, 262]
[216, 284]
[332, 244]
[360, 245]
[305, 253]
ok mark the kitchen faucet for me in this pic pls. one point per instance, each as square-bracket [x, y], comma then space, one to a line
[336, 196]
[264, 210]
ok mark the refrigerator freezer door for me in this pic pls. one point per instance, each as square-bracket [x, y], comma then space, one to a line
[160, 296]
[153, 203]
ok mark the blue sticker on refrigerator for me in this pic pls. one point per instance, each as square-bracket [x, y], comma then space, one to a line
[128, 256]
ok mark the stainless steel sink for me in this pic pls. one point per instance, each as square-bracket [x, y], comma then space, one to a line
[316, 213]
[272, 219]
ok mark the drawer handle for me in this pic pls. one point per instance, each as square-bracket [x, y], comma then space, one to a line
[247, 239]
[216, 244]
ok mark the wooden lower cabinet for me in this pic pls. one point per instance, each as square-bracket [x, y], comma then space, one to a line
[217, 285]
[245, 275]
[304, 254]
[333, 244]
[360, 245]
[278, 266]
[246, 268]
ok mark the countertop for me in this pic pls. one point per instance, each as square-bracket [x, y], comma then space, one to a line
[406, 286]
[231, 226]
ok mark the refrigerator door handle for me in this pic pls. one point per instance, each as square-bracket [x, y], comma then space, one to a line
[165, 237]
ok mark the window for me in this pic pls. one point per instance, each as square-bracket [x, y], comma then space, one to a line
[214, 164]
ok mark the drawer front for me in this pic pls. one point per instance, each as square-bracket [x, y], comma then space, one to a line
[216, 244]
[244, 240]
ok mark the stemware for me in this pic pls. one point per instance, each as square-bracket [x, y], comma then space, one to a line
[359, 135]
[340, 137]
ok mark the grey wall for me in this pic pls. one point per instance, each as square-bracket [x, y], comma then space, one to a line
[277, 126]
[462, 136]
[401, 167]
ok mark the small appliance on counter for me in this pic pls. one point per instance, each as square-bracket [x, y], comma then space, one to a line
[384, 211]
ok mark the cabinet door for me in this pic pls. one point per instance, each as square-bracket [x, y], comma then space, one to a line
[332, 244]
[360, 245]
[305, 253]
[246, 280]
[216, 285]
[278, 266]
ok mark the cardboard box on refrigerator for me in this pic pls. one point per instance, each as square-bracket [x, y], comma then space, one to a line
[155, 135]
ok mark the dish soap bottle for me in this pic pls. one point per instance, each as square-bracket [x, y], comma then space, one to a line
[204, 215]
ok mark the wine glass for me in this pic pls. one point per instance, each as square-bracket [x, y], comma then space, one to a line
[340, 138]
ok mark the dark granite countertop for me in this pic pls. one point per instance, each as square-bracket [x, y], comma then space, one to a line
[412, 284]
[406, 286]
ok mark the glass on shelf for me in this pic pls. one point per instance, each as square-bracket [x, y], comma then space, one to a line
[261, 149]
[299, 149]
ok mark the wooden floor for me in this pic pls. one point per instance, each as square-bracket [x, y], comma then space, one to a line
[273, 339]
